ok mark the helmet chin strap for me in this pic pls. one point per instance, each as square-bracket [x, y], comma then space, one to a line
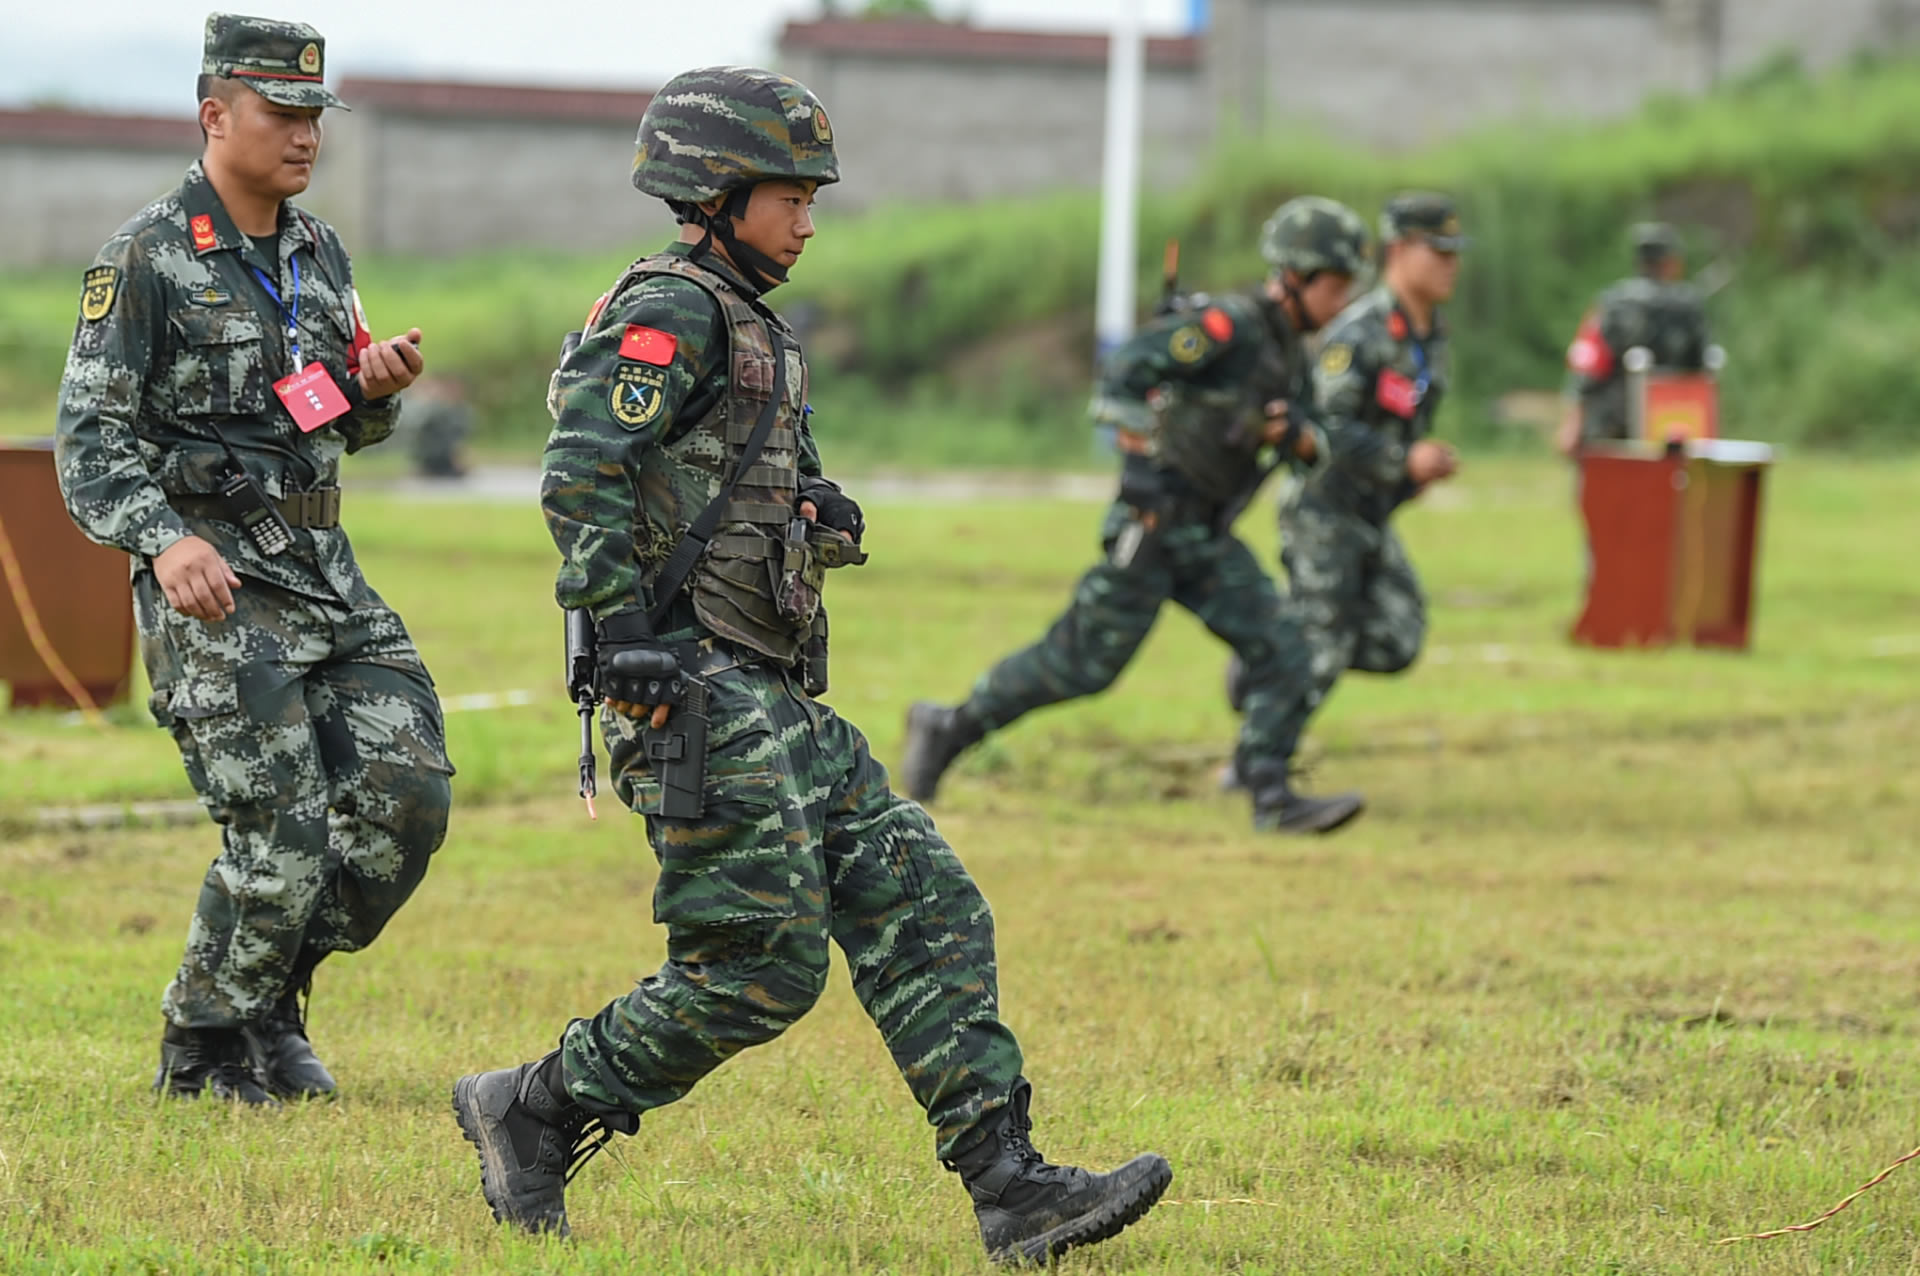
[761, 271]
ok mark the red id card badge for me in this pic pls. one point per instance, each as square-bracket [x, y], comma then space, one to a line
[311, 397]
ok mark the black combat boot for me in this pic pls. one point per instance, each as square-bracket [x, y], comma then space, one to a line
[211, 1061]
[1031, 1211]
[936, 736]
[281, 1052]
[1278, 809]
[532, 1137]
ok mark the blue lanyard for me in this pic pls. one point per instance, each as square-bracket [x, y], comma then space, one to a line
[1425, 378]
[292, 316]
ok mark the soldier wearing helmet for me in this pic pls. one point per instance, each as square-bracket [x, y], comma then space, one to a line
[1206, 401]
[1378, 382]
[1655, 309]
[685, 492]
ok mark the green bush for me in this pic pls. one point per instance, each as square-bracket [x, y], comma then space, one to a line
[954, 333]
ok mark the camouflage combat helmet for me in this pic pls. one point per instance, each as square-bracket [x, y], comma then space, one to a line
[727, 128]
[1311, 234]
[1655, 241]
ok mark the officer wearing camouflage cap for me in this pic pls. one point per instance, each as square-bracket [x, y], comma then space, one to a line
[220, 368]
[1381, 375]
[685, 491]
[1206, 401]
[1657, 310]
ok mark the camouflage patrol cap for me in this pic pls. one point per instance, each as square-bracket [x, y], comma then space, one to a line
[721, 128]
[1656, 241]
[284, 62]
[1312, 234]
[1430, 216]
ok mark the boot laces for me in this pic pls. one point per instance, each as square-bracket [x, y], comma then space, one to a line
[592, 1135]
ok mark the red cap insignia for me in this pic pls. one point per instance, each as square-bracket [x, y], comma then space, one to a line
[1217, 323]
[203, 236]
[648, 345]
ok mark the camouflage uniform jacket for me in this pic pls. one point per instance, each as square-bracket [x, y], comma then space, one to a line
[176, 336]
[1377, 386]
[651, 409]
[1187, 395]
[1669, 319]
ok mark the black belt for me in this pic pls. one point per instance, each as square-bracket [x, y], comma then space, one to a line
[316, 509]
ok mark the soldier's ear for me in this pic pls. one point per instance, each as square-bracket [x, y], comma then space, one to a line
[213, 117]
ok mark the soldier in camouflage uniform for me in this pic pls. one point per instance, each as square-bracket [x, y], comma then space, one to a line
[1656, 309]
[220, 368]
[657, 406]
[1379, 381]
[436, 427]
[1199, 399]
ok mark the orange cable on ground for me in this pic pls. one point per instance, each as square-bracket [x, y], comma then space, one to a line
[1875, 1181]
[37, 635]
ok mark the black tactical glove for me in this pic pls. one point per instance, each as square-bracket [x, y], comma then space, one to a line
[836, 509]
[633, 667]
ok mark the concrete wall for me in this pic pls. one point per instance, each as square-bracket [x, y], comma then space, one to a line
[58, 204]
[916, 129]
[440, 186]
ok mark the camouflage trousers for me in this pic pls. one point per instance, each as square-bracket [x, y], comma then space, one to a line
[1214, 576]
[802, 842]
[1354, 591]
[312, 734]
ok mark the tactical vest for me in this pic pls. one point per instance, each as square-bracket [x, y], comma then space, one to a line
[736, 587]
[1211, 435]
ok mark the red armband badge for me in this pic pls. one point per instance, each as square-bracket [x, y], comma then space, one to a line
[648, 345]
[1397, 394]
[1589, 355]
[361, 339]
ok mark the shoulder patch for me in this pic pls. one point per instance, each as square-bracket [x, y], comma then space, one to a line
[648, 345]
[1336, 359]
[97, 290]
[637, 394]
[1218, 323]
[1187, 344]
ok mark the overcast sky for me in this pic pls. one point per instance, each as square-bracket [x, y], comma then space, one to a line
[143, 54]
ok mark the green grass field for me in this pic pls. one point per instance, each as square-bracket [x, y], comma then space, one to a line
[1622, 960]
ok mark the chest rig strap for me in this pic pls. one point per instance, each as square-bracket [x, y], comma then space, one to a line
[680, 563]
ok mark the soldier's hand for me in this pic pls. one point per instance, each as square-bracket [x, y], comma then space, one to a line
[388, 367]
[1430, 460]
[196, 580]
[1276, 429]
[658, 712]
[811, 512]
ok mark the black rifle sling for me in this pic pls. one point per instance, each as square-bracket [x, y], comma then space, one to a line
[679, 564]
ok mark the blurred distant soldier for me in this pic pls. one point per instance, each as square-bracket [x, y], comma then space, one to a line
[1196, 398]
[684, 490]
[435, 426]
[220, 368]
[1379, 381]
[1656, 309]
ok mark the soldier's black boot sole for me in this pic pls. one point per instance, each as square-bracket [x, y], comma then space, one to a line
[1310, 815]
[1133, 1189]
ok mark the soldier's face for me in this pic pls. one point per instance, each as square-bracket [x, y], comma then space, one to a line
[779, 220]
[1430, 272]
[1325, 298]
[270, 147]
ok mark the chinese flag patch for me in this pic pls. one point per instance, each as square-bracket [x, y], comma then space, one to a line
[1217, 323]
[1397, 395]
[648, 345]
[203, 236]
[1589, 354]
